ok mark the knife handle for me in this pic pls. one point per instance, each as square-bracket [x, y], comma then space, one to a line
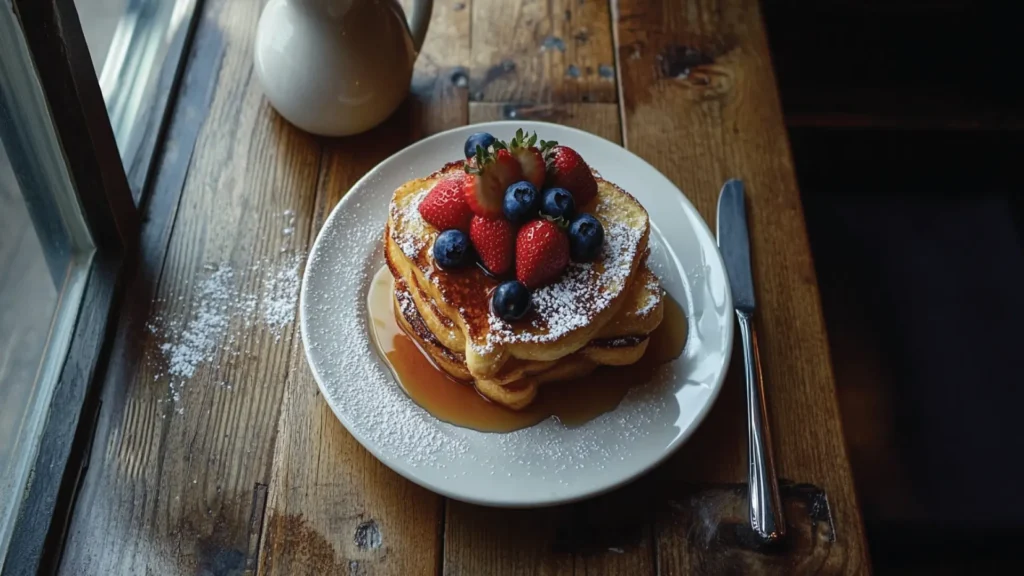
[765, 502]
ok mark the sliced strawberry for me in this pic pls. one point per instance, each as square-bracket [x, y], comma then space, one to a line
[489, 173]
[445, 206]
[494, 240]
[483, 194]
[531, 158]
[566, 169]
[533, 166]
[542, 253]
[507, 169]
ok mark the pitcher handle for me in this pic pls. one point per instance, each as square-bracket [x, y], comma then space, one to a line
[419, 21]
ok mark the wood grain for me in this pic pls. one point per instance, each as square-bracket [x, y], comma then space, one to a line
[332, 507]
[541, 51]
[610, 535]
[170, 485]
[596, 118]
[705, 530]
[263, 478]
[699, 103]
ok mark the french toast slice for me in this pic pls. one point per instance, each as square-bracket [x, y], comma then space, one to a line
[450, 361]
[515, 394]
[567, 314]
[639, 315]
[616, 350]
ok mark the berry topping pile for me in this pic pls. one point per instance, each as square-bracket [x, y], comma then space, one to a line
[517, 210]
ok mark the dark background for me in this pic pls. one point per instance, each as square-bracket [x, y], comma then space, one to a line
[906, 119]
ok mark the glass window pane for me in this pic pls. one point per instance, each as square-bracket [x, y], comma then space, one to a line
[45, 252]
[99, 20]
[136, 45]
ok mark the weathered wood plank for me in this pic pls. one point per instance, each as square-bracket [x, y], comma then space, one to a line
[542, 51]
[170, 485]
[700, 104]
[332, 507]
[610, 534]
[706, 530]
[597, 118]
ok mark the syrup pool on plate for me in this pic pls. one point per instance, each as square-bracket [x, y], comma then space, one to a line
[574, 402]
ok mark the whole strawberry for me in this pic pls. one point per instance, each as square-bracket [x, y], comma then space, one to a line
[542, 253]
[488, 174]
[445, 206]
[566, 169]
[494, 240]
[531, 158]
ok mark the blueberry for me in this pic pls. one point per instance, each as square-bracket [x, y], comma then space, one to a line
[510, 300]
[481, 139]
[521, 202]
[557, 203]
[586, 235]
[451, 249]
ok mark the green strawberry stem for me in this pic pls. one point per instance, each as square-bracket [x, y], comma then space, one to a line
[561, 221]
[483, 157]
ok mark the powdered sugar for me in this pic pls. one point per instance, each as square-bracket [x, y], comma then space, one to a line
[195, 341]
[289, 227]
[351, 375]
[223, 309]
[584, 291]
[407, 219]
[280, 295]
[655, 294]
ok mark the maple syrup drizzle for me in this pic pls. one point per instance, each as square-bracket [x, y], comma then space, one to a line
[573, 402]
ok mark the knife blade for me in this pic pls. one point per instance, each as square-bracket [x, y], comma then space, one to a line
[734, 243]
[765, 502]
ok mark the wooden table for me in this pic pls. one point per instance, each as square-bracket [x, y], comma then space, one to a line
[255, 474]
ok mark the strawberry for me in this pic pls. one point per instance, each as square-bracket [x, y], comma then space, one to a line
[531, 158]
[566, 169]
[445, 206]
[490, 172]
[494, 240]
[542, 253]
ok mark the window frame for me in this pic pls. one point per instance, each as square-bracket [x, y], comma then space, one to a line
[72, 92]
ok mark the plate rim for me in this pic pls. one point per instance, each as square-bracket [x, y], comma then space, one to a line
[540, 500]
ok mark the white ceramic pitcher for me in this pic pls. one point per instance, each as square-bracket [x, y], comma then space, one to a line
[338, 67]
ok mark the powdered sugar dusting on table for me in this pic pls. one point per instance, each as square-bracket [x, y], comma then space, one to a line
[222, 309]
[280, 295]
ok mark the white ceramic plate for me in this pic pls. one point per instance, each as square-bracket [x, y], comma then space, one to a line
[547, 463]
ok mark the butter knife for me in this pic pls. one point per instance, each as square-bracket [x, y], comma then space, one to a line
[733, 241]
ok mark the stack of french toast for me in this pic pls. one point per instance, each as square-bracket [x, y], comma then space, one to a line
[520, 266]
